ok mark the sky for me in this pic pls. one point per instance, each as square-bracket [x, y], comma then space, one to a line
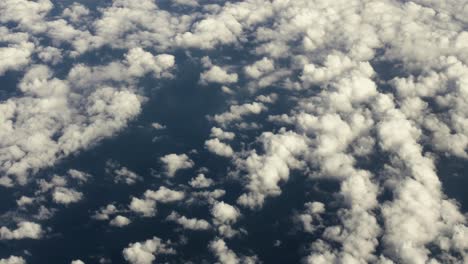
[233, 132]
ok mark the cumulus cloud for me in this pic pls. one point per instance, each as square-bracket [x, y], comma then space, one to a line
[219, 148]
[121, 174]
[13, 260]
[105, 212]
[175, 162]
[164, 195]
[145, 207]
[236, 112]
[217, 132]
[25, 230]
[64, 195]
[120, 221]
[147, 251]
[217, 74]
[188, 223]
[343, 110]
[201, 181]
[227, 256]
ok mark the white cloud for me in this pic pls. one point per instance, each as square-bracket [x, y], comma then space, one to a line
[222, 135]
[236, 112]
[145, 207]
[176, 162]
[158, 126]
[105, 212]
[264, 172]
[217, 74]
[219, 148]
[188, 223]
[62, 195]
[164, 195]
[120, 221]
[25, 230]
[13, 260]
[201, 181]
[191, 3]
[126, 176]
[147, 251]
[227, 256]
[78, 175]
[77, 261]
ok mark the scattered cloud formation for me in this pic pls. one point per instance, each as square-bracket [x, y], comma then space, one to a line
[25, 230]
[146, 252]
[369, 96]
[175, 162]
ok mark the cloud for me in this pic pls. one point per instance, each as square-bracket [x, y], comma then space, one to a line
[120, 221]
[201, 181]
[217, 132]
[121, 174]
[147, 251]
[219, 148]
[176, 162]
[62, 195]
[227, 256]
[236, 112]
[25, 230]
[189, 223]
[145, 207]
[78, 175]
[105, 212]
[13, 260]
[77, 261]
[264, 172]
[217, 74]
[164, 195]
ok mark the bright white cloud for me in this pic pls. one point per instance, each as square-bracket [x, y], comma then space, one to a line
[146, 252]
[176, 162]
[25, 230]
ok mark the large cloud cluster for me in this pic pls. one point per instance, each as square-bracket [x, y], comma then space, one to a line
[372, 93]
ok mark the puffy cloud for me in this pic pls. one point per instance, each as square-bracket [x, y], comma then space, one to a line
[66, 196]
[217, 74]
[147, 251]
[29, 14]
[129, 25]
[188, 223]
[222, 135]
[77, 261]
[15, 56]
[201, 181]
[164, 195]
[105, 212]
[264, 172]
[219, 148]
[175, 162]
[236, 112]
[50, 122]
[191, 3]
[13, 260]
[78, 175]
[158, 126]
[225, 213]
[310, 218]
[145, 207]
[120, 221]
[227, 256]
[126, 176]
[75, 12]
[25, 230]
[24, 200]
